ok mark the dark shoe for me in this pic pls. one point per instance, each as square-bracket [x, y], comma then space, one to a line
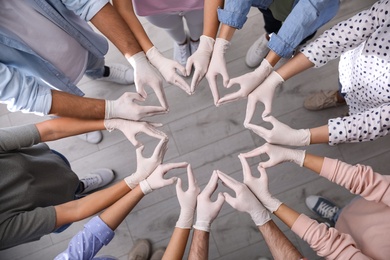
[322, 207]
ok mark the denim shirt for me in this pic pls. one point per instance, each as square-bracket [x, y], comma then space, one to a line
[305, 18]
[27, 78]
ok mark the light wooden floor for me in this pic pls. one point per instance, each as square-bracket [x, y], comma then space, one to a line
[209, 138]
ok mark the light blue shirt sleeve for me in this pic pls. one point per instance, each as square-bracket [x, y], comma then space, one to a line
[86, 9]
[87, 243]
[23, 93]
[305, 18]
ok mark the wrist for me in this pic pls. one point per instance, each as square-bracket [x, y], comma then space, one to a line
[131, 181]
[206, 44]
[202, 225]
[186, 219]
[260, 217]
[153, 56]
[108, 113]
[297, 156]
[137, 58]
[145, 187]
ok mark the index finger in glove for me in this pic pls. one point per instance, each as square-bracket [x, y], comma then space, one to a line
[246, 170]
[152, 110]
[169, 166]
[259, 130]
[250, 109]
[255, 152]
[191, 178]
[213, 87]
[196, 78]
[230, 97]
[228, 181]
[161, 148]
[181, 83]
[211, 185]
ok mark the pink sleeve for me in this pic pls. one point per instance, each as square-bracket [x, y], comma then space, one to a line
[327, 242]
[359, 179]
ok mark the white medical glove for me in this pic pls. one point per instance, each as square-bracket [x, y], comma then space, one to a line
[263, 93]
[145, 166]
[208, 210]
[125, 107]
[281, 133]
[131, 128]
[248, 82]
[156, 179]
[187, 200]
[200, 60]
[167, 68]
[277, 154]
[245, 200]
[259, 186]
[218, 66]
[146, 75]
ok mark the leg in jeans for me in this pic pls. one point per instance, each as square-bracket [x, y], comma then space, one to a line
[172, 23]
[194, 21]
[95, 67]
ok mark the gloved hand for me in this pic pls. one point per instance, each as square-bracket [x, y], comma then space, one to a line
[248, 82]
[167, 68]
[145, 166]
[156, 179]
[259, 186]
[146, 75]
[281, 133]
[218, 66]
[200, 60]
[131, 128]
[277, 154]
[125, 107]
[187, 200]
[208, 210]
[263, 93]
[245, 200]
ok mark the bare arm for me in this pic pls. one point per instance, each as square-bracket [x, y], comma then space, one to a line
[126, 10]
[112, 25]
[278, 243]
[58, 128]
[210, 20]
[177, 244]
[319, 135]
[117, 212]
[68, 105]
[294, 66]
[226, 32]
[85, 207]
[199, 245]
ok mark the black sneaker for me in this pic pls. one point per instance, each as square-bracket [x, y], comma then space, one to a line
[322, 207]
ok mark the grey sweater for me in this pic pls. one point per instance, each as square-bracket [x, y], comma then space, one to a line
[32, 180]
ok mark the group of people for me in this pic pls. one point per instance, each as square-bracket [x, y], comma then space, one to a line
[42, 62]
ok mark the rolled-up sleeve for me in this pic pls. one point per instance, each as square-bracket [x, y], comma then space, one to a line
[23, 93]
[86, 9]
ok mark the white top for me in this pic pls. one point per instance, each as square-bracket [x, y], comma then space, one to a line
[45, 38]
[363, 45]
[151, 7]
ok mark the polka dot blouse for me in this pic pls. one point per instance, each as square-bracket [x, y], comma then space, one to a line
[363, 45]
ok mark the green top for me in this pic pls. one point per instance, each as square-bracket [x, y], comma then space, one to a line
[281, 9]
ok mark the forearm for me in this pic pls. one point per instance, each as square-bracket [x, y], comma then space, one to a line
[58, 128]
[116, 213]
[79, 209]
[226, 32]
[272, 58]
[126, 10]
[199, 245]
[278, 243]
[313, 162]
[68, 105]
[294, 66]
[177, 244]
[210, 20]
[287, 215]
[319, 135]
[111, 24]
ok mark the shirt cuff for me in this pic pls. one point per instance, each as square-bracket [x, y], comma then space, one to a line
[233, 19]
[100, 230]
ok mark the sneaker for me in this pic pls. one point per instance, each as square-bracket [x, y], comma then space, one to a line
[140, 251]
[96, 179]
[120, 74]
[181, 52]
[94, 137]
[257, 52]
[194, 46]
[322, 207]
[158, 254]
[322, 100]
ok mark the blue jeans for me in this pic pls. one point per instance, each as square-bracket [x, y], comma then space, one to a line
[95, 67]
